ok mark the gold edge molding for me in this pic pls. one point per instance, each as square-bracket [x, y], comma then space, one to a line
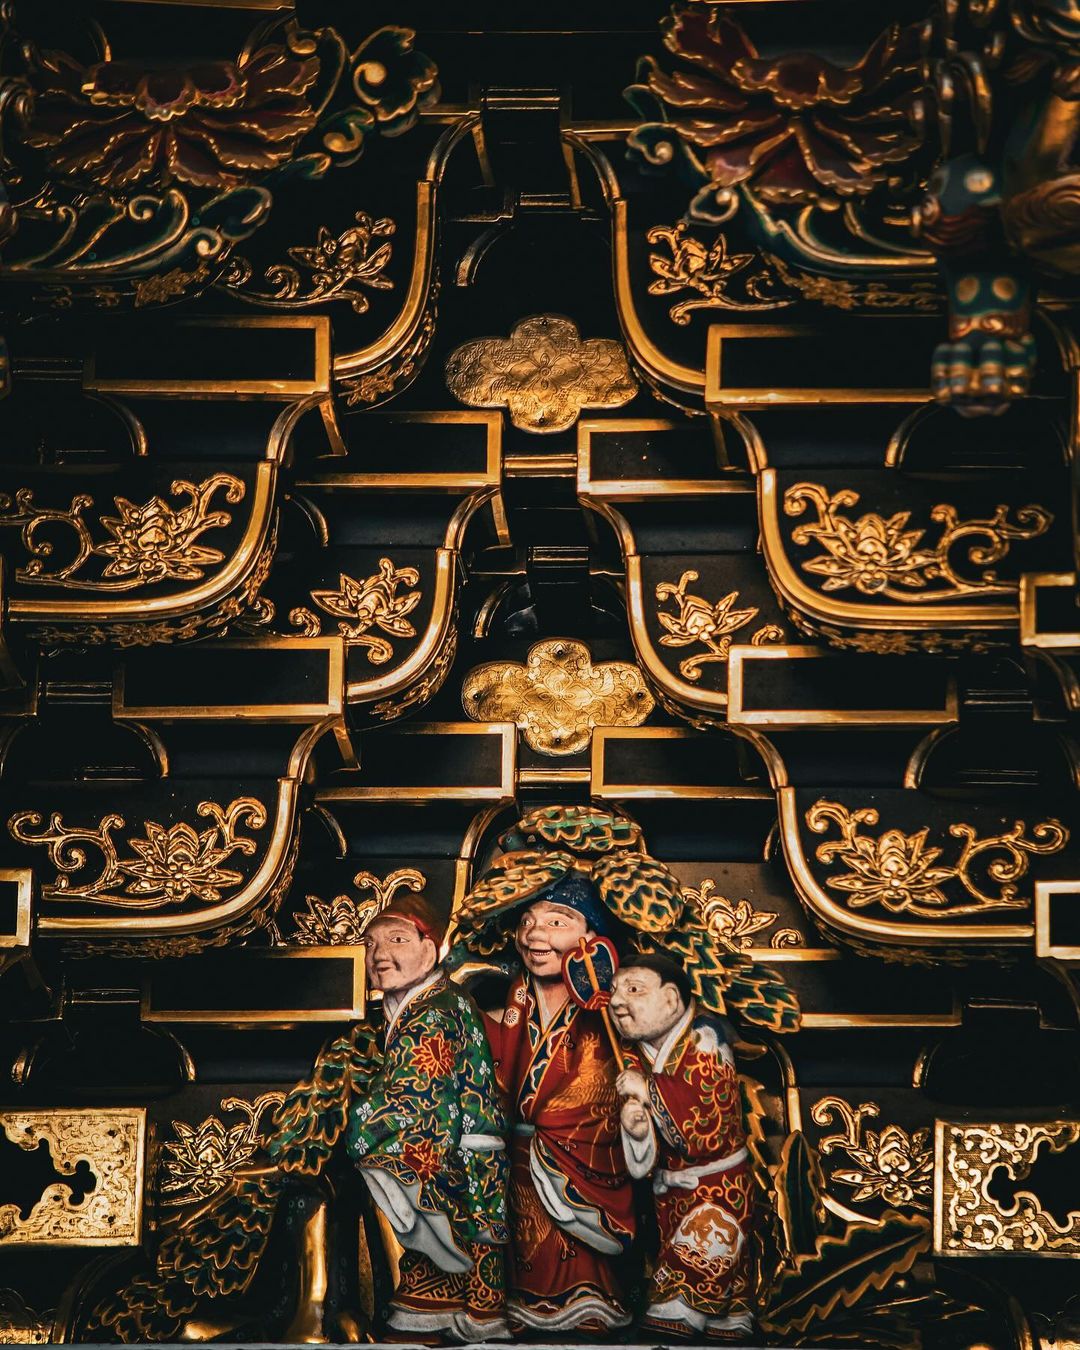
[273, 1017]
[213, 589]
[313, 713]
[1031, 583]
[719, 399]
[741, 653]
[882, 931]
[248, 389]
[23, 877]
[503, 792]
[603, 787]
[814, 606]
[1044, 948]
[270, 869]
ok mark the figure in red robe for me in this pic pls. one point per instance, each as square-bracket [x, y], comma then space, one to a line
[571, 1207]
[682, 1123]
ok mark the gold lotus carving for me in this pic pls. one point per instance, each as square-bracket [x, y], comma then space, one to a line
[736, 923]
[149, 543]
[970, 1219]
[165, 867]
[110, 1142]
[889, 1164]
[901, 873]
[342, 921]
[880, 556]
[203, 1158]
[544, 373]
[706, 271]
[711, 625]
[360, 606]
[558, 696]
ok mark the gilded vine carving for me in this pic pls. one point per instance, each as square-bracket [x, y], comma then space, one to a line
[711, 625]
[890, 1165]
[899, 871]
[335, 267]
[736, 923]
[149, 543]
[879, 555]
[707, 270]
[360, 606]
[972, 1220]
[166, 866]
[341, 921]
[203, 1158]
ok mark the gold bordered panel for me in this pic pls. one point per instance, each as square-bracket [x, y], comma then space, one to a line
[885, 563]
[16, 888]
[107, 1147]
[1049, 618]
[293, 361]
[971, 1159]
[1057, 921]
[897, 868]
[891, 372]
[279, 987]
[137, 551]
[455, 761]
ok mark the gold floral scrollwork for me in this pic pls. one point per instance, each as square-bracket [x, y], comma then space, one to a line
[558, 696]
[545, 373]
[342, 921]
[736, 923]
[203, 1158]
[880, 556]
[899, 871]
[707, 270]
[110, 1142]
[889, 1164]
[970, 1221]
[167, 866]
[360, 606]
[23, 1325]
[711, 625]
[336, 266]
[149, 543]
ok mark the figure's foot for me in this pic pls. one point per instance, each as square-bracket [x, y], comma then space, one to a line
[198, 1330]
[306, 1328]
[350, 1329]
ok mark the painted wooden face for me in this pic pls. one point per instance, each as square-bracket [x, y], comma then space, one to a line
[545, 933]
[642, 1006]
[398, 955]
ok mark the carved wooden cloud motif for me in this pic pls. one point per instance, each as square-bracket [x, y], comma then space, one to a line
[558, 696]
[545, 373]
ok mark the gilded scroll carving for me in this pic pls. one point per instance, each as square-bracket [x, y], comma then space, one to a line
[149, 543]
[360, 606]
[203, 1158]
[971, 1221]
[712, 625]
[110, 1142]
[166, 867]
[880, 556]
[889, 1164]
[558, 696]
[737, 922]
[901, 873]
[341, 921]
[707, 272]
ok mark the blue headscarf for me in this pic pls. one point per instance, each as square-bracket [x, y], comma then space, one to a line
[577, 892]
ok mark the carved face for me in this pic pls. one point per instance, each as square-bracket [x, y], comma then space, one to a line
[545, 933]
[642, 1007]
[398, 955]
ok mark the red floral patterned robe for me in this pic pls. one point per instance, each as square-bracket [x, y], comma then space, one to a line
[571, 1207]
[702, 1182]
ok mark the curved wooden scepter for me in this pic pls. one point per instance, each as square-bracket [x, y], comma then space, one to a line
[589, 973]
